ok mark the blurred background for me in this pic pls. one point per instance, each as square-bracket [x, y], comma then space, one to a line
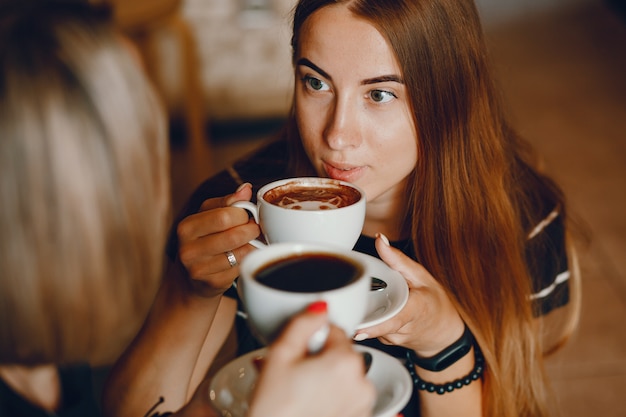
[223, 69]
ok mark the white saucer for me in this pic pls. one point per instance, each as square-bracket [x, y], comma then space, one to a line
[233, 384]
[384, 304]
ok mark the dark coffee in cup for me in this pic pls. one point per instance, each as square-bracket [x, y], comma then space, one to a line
[309, 273]
[303, 196]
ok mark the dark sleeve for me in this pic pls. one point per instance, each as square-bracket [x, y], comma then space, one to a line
[546, 256]
[78, 394]
[76, 388]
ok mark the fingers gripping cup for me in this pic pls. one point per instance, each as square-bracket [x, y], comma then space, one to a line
[281, 280]
[308, 209]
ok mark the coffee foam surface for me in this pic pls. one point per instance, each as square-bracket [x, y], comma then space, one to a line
[304, 197]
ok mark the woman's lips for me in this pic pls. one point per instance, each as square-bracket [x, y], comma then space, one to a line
[342, 172]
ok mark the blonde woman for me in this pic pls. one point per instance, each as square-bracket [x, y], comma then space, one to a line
[84, 193]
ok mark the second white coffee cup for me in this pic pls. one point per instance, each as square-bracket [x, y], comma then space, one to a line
[282, 279]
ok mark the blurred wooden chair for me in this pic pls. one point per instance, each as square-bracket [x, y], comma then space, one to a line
[144, 21]
[148, 23]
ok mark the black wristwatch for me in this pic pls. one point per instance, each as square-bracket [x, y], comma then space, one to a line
[448, 356]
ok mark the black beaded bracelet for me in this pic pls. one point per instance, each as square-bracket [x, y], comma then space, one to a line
[475, 374]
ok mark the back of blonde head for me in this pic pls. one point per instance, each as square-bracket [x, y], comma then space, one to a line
[84, 188]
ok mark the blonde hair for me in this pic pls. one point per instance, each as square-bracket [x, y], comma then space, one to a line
[84, 188]
[473, 245]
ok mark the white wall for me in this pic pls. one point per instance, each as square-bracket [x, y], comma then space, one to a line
[245, 56]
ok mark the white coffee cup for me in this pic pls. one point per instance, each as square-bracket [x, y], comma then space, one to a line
[269, 304]
[311, 217]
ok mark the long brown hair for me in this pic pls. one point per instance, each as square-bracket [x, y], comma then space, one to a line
[474, 195]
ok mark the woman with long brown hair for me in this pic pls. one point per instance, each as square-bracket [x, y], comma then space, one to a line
[398, 98]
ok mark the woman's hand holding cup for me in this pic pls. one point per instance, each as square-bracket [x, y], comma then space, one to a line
[331, 383]
[429, 322]
[212, 242]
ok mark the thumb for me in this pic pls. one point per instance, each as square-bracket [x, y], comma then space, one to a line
[293, 341]
[397, 260]
[390, 255]
[243, 193]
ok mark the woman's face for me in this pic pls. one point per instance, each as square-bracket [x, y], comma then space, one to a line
[352, 108]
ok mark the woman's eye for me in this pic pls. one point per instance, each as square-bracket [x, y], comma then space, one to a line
[315, 83]
[381, 96]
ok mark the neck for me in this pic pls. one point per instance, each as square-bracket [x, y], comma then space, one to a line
[393, 231]
[40, 385]
[385, 215]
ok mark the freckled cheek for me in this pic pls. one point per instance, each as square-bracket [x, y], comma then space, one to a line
[405, 162]
[311, 131]
[313, 152]
[311, 147]
[401, 156]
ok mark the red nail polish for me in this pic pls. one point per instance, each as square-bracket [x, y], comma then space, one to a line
[318, 307]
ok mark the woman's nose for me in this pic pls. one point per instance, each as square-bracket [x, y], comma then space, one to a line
[342, 130]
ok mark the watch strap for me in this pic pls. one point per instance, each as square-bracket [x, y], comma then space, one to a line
[448, 356]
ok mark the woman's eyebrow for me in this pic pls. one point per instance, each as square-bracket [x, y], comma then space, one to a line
[305, 62]
[383, 79]
[374, 80]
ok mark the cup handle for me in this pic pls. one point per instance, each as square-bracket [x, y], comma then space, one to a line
[252, 209]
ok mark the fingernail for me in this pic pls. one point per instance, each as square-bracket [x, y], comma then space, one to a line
[383, 238]
[359, 337]
[318, 339]
[317, 307]
[242, 186]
